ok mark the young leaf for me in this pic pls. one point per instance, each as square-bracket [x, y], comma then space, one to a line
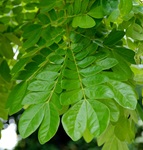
[125, 6]
[50, 123]
[84, 21]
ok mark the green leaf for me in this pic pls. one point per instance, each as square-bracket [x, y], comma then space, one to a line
[74, 120]
[33, 39]
[14, 102]
[135, 31]
[49, 124]
[71, 97]
[94, 80]
[90, 71]
[125, 6]
[13, 38]
[47, 75]
[123, 130]
[35, 97]
[19, 65]
[47, 5]
[98, 117]
[126, 53]
[39, 85]
[56, 59]
[70, 74]
[96, 12]
[2, 27]
[122, 68]
[6, 48]
[88, 137]
[107, 63]
[113, 37]
[115, 144]
[124, 94]
[70, 84]
[31, 119]
[114, 110]
[77, 6]
[99, 92]
[84, 21]
[86, 61]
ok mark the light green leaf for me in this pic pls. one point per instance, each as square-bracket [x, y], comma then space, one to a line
[115, 144]
[123, 130]
[39, 85]
[47, 75]
[36, 97]
[94, 80]
[49, 124]
[74, 120]
[31, 119]
[99, 92]
[14, 102]
[124, 94]
[107, 63]
[88, 137]
[71, 97]
[84, 21]
[98, 117]
[70, 84]
[96, 12]
[125, 6]
[90, 71]
[56, 59]
[114, 110]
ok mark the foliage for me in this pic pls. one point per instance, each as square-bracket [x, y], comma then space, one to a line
[74, 61]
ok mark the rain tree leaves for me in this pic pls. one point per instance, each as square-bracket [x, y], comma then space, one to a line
[74, 63]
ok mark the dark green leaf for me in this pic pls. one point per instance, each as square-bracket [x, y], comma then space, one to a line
[5, 71]
[113, 37]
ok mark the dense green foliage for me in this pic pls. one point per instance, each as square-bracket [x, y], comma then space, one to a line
[74, 61]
